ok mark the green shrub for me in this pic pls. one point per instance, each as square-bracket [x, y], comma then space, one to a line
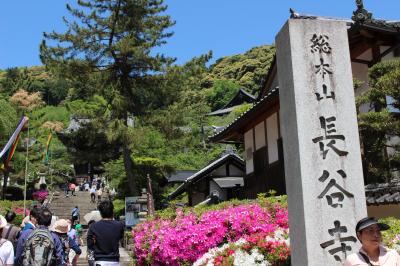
[119, 207]
[17, 207]
[391, 237]
[265, 200]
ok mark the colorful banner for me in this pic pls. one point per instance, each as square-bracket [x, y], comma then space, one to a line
[46, 155]
[8, 151]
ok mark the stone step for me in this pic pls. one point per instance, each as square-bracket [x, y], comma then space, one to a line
[125, 259]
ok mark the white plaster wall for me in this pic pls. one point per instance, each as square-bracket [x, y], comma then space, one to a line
[215, 187]
[248, 145]
[234, 171]
[272, 136]
[260, 135]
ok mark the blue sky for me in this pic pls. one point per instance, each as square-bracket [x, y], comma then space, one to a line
[226, 27]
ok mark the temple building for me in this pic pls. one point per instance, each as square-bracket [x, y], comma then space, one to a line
[222, 179]
[370, 41]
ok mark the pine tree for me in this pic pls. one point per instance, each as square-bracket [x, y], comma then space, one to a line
[114, 38]
[380, 127]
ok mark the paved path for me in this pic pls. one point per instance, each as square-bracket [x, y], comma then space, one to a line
[125, 259]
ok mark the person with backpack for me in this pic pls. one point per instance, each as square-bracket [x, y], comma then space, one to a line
[104, 236]
[10, 231]
[61, 228]
[75, 215]
[39, 247]
[6, 247]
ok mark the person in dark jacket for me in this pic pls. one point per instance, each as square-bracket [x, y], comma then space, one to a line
[43, 222]
[104, 236]
[61, 228]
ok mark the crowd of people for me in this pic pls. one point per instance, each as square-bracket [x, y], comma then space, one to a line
[42, 241]
[96, 187]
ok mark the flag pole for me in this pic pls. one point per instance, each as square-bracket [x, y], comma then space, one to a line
[26, 170]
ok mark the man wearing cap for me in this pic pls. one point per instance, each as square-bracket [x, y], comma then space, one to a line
[6, 247]
[368, 231]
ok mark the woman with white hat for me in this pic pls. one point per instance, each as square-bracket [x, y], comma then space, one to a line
[61, 228]
[372, 251]
[6, 247]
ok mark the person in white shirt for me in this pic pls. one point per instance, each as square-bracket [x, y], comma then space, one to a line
[6, 247]
[93, 194]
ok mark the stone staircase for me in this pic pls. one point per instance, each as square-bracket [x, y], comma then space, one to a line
[62, 206]
[124, 260]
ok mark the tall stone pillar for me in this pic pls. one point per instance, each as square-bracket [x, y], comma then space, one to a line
[323, 171]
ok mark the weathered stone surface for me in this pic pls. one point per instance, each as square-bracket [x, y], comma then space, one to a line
[308, 111]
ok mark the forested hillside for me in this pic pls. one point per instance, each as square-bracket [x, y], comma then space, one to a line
[170, 126]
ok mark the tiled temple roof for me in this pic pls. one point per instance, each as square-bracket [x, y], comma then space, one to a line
[383, 193]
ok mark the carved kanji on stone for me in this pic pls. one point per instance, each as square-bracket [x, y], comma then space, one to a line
[325, 94]
[320, 44]
[328, 125]
[341, 246]
[323, 68]
[334, 198]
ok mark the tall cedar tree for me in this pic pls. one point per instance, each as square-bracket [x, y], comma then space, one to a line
[113, 38]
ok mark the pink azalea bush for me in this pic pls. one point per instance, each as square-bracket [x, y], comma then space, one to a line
[40, 195]
[186, 237]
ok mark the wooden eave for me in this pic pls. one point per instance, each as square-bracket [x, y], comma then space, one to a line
[259, 112]
[362, 37]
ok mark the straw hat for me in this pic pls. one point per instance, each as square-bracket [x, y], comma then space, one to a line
[3, 222]
[61, 226]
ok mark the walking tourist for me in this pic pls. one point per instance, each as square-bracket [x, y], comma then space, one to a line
[65, 187]
[30, 221]
[61, 228]
[99, 194]
[90, 252]
[372, 252]
[103, 236]
[75, 215]
[79, 230]
[93, 194]
[72, 187]
[39, 246]
[6, 247]
[10, 231]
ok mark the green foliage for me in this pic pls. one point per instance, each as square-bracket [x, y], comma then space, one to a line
[17, 207]
[119, 207]
[246, 70]
[391, 237]
[123, 67]
[265, 200]
[221, 93]
[8, 121]
[381, 122]
[94, 107]
[34, 79]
